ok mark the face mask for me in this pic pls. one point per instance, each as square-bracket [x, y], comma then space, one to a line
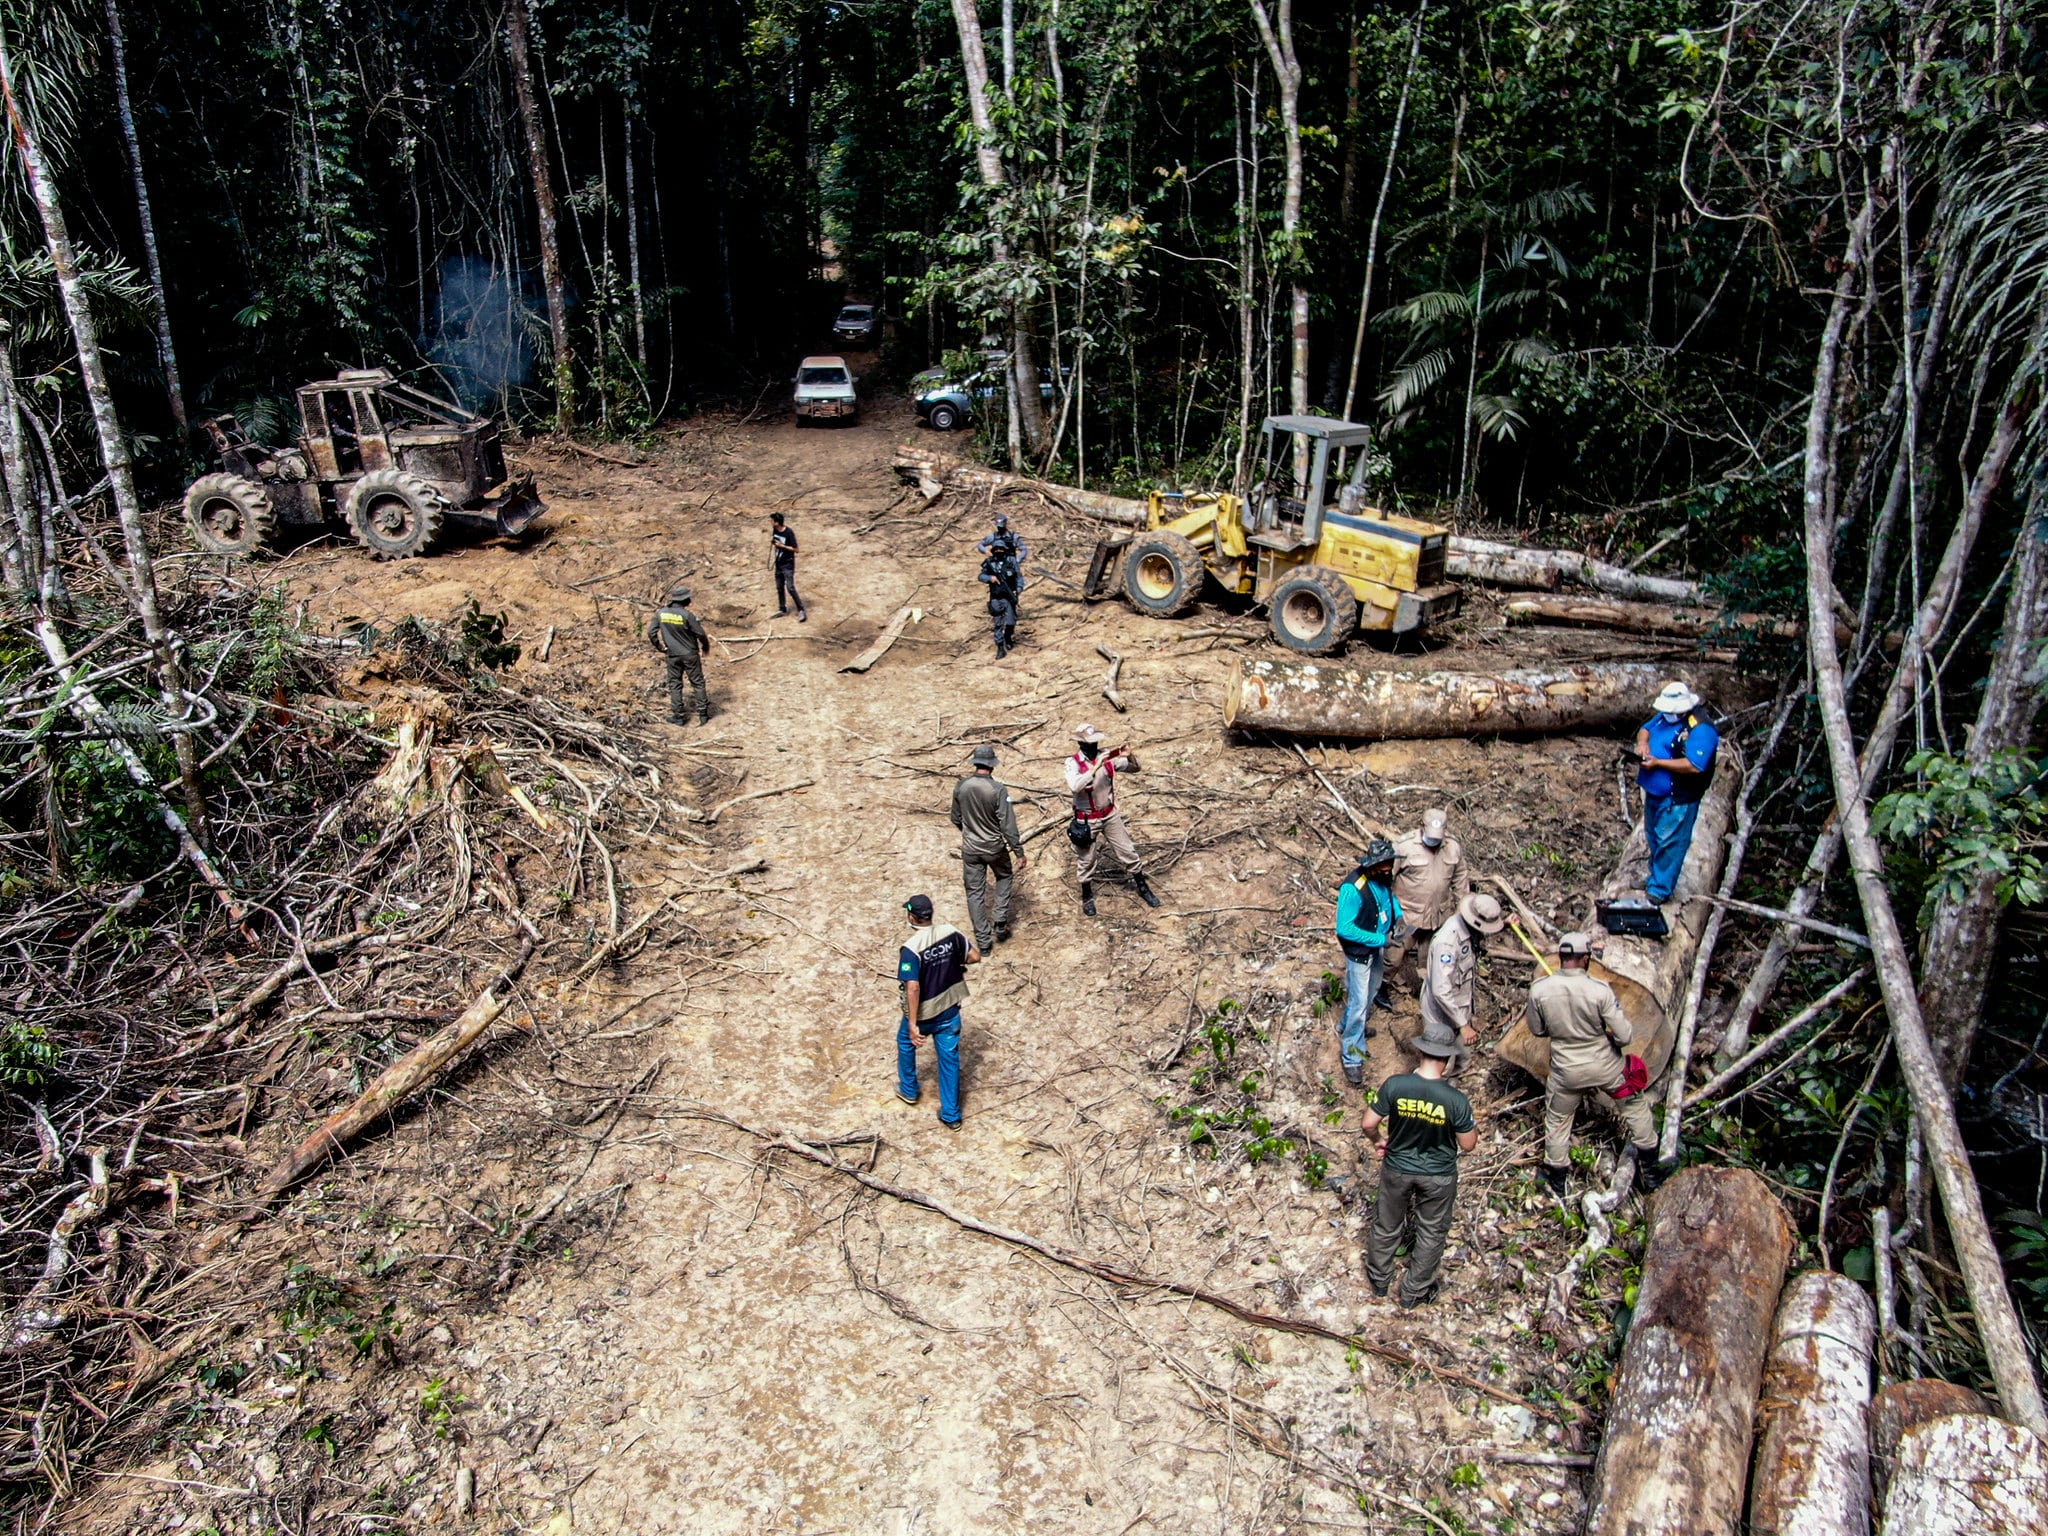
[1670, 718]
[1089, 749]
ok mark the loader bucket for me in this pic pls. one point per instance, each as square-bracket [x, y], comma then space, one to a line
[516, 509]
[1105, 569]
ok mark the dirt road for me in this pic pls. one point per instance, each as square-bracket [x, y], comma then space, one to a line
[734, 1340]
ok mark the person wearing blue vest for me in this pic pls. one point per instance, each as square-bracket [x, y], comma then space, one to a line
[931, 976]
[1676, 748]
[1367, 917]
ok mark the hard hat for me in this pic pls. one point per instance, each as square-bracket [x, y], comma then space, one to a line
[1433, 821]
[1676, 699]
[1482, 913]
[984, 756]
[1087, 733]
[1574, 944]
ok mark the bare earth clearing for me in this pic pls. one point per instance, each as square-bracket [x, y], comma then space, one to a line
[721, 1338]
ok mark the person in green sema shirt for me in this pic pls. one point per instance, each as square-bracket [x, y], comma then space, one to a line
[1418, 1125]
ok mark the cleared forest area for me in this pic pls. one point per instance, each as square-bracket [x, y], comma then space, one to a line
[439, 1093]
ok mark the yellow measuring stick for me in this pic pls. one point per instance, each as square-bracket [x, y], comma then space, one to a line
[1542, 964]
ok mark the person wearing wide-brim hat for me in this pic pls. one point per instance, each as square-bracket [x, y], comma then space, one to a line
[1097, 823]
[1449, 968]
[681, 638]
[1676, 748]
[989, 847]
[1418, 1124]
[1368, 912]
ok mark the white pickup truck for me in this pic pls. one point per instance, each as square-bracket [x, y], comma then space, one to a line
[824, 391]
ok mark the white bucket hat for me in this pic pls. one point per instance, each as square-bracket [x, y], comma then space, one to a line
[1087, 733]
[1676, 699]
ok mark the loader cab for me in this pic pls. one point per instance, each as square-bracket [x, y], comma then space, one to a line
[1287, 502]
[342, 428]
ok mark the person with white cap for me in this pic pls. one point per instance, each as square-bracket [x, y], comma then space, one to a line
[1676, 748]
[1418, 1124]
[1450, 966]
[1431, 878]
[989, 846]
[1580, 1016]
[1097, 823]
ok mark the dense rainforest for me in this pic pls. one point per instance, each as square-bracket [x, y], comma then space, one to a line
[1755, 291]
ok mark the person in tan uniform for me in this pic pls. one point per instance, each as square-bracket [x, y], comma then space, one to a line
[1097, 823]
[1449, 967]
[1430, 880]
[1581, 1018]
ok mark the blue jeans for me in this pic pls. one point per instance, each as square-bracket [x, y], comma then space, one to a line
[1667, 826]
[946, 1044]
[1361, 986]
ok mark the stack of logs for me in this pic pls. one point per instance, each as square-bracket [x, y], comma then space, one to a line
[1722, 1356]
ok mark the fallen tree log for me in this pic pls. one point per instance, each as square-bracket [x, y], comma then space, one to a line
[927, 466]
[1812, 1474]
[1676, 1456]
[396, 1083]
[1503, 571]
[1968, 1475]
[1311, 698]
[1650, 977]
[883, 641]
[1898, 1408]
[1585, 570]
[1675, 620]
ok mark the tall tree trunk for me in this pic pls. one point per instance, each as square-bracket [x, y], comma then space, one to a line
[1247, 212]
[166, 353]
[1963, 937]
[988, 159]
[23, 547]
[518, 42]
[1472, 371]
[113, 446]
[633, 251]
[1998, 1325]
[1379, 209]
[1277, 32]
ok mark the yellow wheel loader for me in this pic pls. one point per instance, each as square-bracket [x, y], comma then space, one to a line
[1323, 570]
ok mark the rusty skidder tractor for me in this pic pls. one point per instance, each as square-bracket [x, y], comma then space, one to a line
[395, 463]
[1325, 567]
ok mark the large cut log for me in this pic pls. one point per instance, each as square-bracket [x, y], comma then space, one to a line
[1812, 1474]
[1311, 698]
[1900, 1406]
[1968, 1475]
[1650, 976]
[1585, 570]
[928, 466]
[1504, 571]
[1676, 1456]
[1677, 620]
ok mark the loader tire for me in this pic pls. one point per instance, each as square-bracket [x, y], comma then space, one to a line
[230, 515]
[1313, 611]
[395, 515]
[1163, 574]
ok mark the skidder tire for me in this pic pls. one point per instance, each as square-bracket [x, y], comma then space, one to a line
[1163, 574]
[230, 515]
[395, 515]
[1314, 611]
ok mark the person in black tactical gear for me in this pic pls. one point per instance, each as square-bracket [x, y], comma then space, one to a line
[1000, 575]
[1005, 542]
[680, 637]
[783, 539]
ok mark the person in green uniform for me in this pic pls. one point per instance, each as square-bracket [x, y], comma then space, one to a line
[1417, 1125]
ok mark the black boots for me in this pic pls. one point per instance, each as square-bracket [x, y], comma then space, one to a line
[1088, 897]
[1354, 1074]
[1554, 1179]
[1145, 892]
[1649, 1172]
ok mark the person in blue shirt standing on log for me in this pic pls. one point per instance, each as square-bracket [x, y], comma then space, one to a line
[1367, 917]
[1676, 748]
